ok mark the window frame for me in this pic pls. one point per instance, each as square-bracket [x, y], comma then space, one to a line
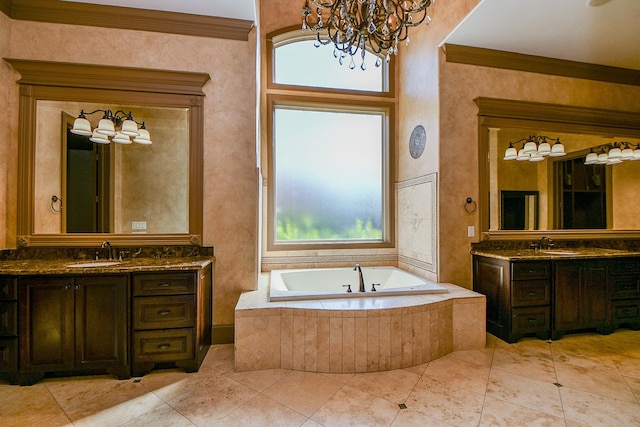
[293, 34]
[332, 100]
[388, 193]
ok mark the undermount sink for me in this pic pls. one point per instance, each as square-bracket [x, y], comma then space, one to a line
[558, 252]
[93, 264]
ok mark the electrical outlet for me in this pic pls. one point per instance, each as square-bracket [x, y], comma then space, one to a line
[471, 231]
[139, 225]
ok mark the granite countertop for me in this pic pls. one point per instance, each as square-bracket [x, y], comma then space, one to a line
[554, 253]
[128, 265]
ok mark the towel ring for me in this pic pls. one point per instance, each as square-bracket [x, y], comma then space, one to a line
[470, 206]
[55, 199]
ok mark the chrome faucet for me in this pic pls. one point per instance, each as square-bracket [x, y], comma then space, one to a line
[107, 245]
[549, 242]
[359, 270]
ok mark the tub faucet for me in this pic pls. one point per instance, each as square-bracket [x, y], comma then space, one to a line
[549, 242]
[107, 245]
[361, 284]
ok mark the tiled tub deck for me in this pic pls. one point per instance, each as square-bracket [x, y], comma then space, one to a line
[364, 334]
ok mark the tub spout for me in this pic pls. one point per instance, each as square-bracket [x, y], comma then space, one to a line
[361, 279]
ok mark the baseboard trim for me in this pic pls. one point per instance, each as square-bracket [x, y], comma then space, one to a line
[222, 334]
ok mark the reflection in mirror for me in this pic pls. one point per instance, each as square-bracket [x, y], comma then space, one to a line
[518, 210]
[111, 188]
[570, 194]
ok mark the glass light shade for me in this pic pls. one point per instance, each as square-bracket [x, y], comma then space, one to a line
[614, 160]
[143, 138]
[603, 158]
[130, 128]
[535, 157]
[636, 153]
[99, 138]
[557, 150]
[522, 156]
[627, 153]
[591, 159]
[121, 138]
[615, 153]
[511, 153]
[544, 149]
[81, 126]
[106, 127]
[530, 147]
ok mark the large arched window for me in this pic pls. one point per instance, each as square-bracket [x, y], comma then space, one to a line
[331, 131]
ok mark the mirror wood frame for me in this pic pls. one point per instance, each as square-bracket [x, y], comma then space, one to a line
[59, 81]
[507, 113]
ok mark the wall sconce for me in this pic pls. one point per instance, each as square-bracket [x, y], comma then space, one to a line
[611, 154]
[119, 126]
[534, 149]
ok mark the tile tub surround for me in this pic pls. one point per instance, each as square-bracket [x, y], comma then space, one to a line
[366, 334]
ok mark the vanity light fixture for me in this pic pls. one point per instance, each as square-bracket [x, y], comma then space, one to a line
[534, 149]
[358, 25]
[611, 154]
[119, 126]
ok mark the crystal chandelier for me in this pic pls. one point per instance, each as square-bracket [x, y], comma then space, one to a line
[119, 126]
[358, 25]
[534, 149]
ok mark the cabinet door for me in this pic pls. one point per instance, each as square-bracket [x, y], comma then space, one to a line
[594, 297]
[568, 276]
[46, 331]
[101, 314]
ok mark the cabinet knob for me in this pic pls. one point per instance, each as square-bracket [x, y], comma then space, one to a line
[164, 312]
[164, 285]
[164, 346]
[531, 293]
[67, 286]
[77, 287]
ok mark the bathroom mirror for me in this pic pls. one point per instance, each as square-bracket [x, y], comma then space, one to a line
[152, 193]
[572, 200]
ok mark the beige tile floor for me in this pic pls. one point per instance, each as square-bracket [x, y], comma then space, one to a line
[581, 379]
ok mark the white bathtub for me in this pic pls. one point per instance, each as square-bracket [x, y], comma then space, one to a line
[322, 283]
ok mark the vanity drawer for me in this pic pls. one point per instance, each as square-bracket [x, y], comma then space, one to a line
[8, 354]
[626, 311]
[163, 345]
[625, 287]
[530, 292]
[164, 312]
[530, 319]
[530, 270]
[625, 265]
[9, 318]
[164, 284]
[8, 288]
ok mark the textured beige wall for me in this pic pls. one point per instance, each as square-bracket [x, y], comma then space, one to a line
[419, 104]
[230, 187]
[459, 85]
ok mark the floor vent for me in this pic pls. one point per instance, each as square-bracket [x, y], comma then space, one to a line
[402, 406]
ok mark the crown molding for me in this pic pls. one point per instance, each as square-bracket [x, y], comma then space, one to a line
[539, 64]
[63, 12]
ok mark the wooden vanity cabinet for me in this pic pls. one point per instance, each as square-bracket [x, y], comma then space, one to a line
[73, 323]
[624, 292]
[580, 296]
[8, 328]
[171, 319]
[518, 296]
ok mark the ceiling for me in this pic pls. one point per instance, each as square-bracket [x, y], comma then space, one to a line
[576, 30]
[608, 34]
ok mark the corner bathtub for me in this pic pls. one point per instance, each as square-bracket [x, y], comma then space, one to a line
[323, 283]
